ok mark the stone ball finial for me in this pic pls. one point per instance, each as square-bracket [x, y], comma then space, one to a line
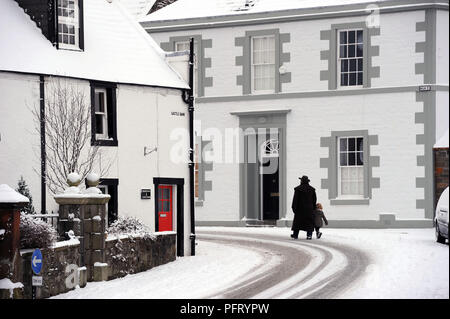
[73, 179]
[93, 180]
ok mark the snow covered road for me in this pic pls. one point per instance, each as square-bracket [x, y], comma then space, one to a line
[266, 263]
[308, 269]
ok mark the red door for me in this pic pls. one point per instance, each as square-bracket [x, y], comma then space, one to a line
[165, 208]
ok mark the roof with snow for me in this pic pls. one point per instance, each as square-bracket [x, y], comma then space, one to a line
[116, 48]
[186, 9]
[138, 8]
[10, 196]
[443, 141]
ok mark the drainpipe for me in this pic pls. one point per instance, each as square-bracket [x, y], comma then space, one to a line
[188, 98]
[43, 153]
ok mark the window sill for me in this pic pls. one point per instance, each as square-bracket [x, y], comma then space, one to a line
[74, 48]
[263, 92]
[362, 201]
[104, 143]
[350, 87]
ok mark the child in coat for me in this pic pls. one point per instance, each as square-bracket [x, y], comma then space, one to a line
[319, 218]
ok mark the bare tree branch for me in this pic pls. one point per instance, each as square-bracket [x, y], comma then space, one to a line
[67, 133]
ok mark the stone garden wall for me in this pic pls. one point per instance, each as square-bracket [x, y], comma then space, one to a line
[124, 255]
[129, 255]
[55, 262]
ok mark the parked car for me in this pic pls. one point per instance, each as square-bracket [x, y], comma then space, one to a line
[441, 219]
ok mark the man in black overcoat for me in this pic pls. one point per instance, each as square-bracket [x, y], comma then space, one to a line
[303, 206]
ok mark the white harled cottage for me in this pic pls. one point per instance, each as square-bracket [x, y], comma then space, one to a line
[92, 53]
[352, 93]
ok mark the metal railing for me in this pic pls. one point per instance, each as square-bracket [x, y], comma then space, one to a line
[51, 219]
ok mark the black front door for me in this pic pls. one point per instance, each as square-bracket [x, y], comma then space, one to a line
[270, 177]
[271, 195]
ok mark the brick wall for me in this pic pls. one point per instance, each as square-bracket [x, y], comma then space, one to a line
[441, 171]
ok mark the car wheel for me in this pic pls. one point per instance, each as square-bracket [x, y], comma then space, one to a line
[440, 239]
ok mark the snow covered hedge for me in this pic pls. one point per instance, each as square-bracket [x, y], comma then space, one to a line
[130, 226]
[34, 233]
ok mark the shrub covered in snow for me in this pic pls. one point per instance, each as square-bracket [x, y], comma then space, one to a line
[130, 226]
[34, 233]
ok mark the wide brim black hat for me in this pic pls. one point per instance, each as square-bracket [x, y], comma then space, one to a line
[304, 178]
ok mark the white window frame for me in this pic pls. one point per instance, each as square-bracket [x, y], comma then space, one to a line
[187, 45]
[69, 22]
[339, 194]
[339, 59]
[252, 65]
[104, 135]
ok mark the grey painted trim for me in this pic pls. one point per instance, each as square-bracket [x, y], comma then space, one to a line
[427, 118]
[203, 167]
[427, 47]
[331, 55]
[261, 112]
[203, 63]
[198, 203]
[331, 164]
[222, 223]
[273, 119]
[244, 60]
[382, 223]
[280, 16]
[318, 94]
[349, 202]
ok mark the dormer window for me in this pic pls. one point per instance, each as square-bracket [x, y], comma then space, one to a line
[69, 24]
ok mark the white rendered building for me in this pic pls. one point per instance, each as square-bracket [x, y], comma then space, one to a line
[355, 92]
[134, 94]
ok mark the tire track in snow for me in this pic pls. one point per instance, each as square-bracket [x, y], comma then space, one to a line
[331, 267]
[261, 277]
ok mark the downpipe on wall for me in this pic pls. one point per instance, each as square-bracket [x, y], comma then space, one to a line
[188, 98]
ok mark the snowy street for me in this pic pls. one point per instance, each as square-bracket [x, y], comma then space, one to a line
[266, 263]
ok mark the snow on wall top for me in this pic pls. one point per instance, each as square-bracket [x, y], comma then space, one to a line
[117, 49]
[138, 8]
[185, 9]
[443, 141]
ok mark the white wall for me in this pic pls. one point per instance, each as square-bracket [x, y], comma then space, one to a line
[442, 113]
[144, 118]
[397, 54]
[389, 116]
[19, 142]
